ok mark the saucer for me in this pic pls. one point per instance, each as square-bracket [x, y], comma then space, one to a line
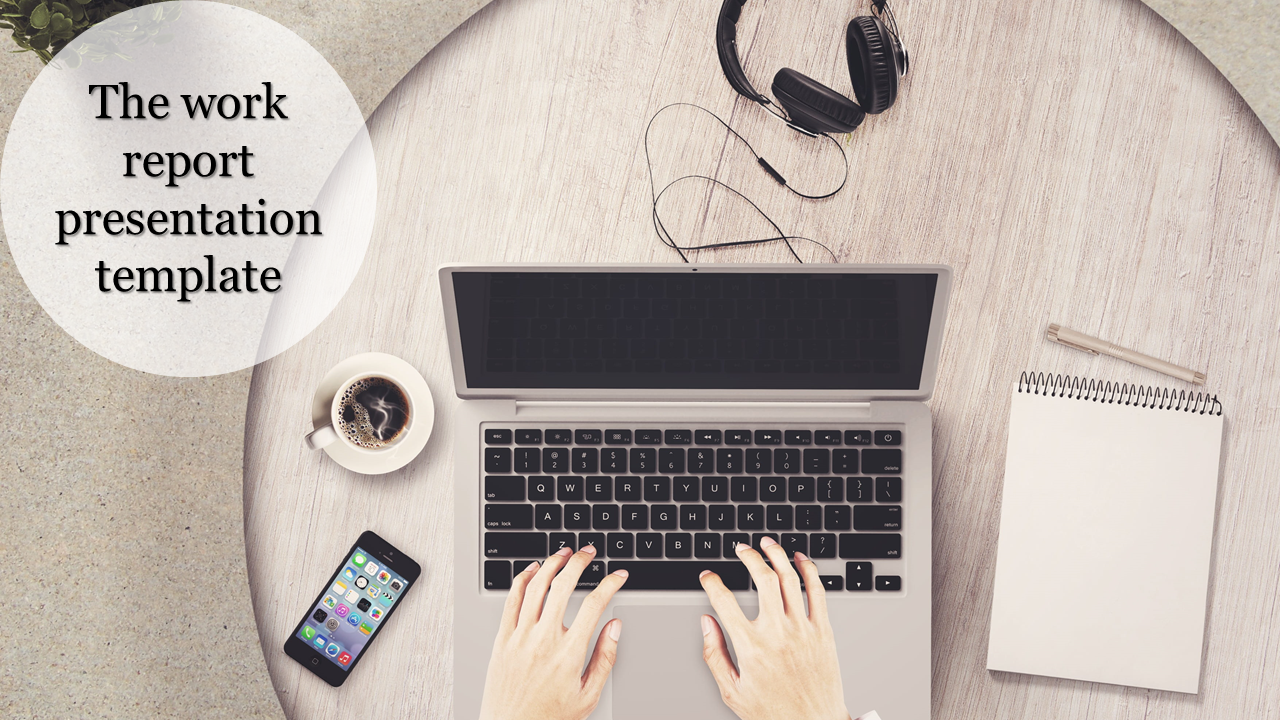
[424, 413]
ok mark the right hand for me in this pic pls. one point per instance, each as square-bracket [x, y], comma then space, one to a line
[787, 664]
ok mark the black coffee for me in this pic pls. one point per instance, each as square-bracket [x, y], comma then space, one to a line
[374, 412]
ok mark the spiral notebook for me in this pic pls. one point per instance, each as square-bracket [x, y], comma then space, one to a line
[1106, 527]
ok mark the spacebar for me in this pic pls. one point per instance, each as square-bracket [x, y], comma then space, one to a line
[679, 575]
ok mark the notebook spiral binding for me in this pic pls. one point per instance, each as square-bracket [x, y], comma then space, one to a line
[1077, 388]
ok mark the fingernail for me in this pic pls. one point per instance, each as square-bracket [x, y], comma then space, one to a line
[706, 625]
[767, 542]
[740, 547]
[532, 566]
[621, 573]
[562, 552]
[801, 557]
[590, 549]
[703, 574]
[615, 629]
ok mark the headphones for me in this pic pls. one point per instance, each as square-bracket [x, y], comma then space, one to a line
[876, 60]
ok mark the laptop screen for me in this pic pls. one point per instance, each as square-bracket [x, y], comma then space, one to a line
[705, 330]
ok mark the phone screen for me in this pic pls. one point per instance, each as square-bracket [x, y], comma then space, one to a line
[351, 609]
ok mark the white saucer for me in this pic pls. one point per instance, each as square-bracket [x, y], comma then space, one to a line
[424, 413]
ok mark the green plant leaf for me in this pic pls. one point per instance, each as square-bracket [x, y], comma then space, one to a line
[60, 8]
[40, 41]
[40, 16]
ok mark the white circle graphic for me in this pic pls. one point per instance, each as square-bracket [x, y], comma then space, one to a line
[188, 188]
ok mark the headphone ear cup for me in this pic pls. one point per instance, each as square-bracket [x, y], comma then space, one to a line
[873, 68]
[814, 106]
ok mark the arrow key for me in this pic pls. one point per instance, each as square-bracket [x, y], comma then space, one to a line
[857, 576]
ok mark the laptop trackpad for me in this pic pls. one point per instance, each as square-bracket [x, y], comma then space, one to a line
[660, 672]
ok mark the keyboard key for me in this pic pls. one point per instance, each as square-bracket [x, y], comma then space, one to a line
[743, 489]
[591, 575]
[808, 517]
[643, 460]
[757, 537]
[888, 437]
[706, 437]
[786, 461]
[860, 546]
[768, 437]
[731, 542]
[817, 461]
[858, 576]
[881, 462]
[648, 437]
[836, 517]
[830, 489]
[648, 545]
[721, 517]
[586, 460]
[685, 488]
[604, 517]
[706, 545]
[515, 545]
[577, 517]
[599, 488]
[693, 517]
[563, 540]
[860, 489]
[547, 517]
[715, 488]
[794, 543]
[497, 437]
[822, 545]
[889, 489]
[528, 437]
[613, 460]
[657, 489]
[635, 517]
[750, 517]
[620, 545]
[678, 437]
[773, 489]
[504, 488]
[857, 437]
[497, 460]
[671, 461]
[617, 437]
[627, 488]
[875, 517]
[728, 461]
[663, 517]
[844, 462]
[508, 517]
[569, 488]
[798, 437]
[760, 461]
[528, 461]
[497, 574]
[542, 487]
[588, 437]
[679, 545]
[780, 517]
[701, 460]
[737, 437]
[555, 460]
[832, 583]
[679, 575]
[559, 437]
[889, 583]
[592, 538]
[800, 489]
[826, 437]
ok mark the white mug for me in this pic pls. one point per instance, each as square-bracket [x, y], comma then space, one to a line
[328, 434]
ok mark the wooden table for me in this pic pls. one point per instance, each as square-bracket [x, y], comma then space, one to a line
[1074, 162]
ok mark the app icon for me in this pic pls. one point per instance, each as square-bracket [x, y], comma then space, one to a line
[371, 568]
[396, 585]
[366, 628]
[332, 650]
[354, 619]
[361, 582]
[386, 599]
[383, 577]
[352, 596]
[308, 632]
[320, 615]
[332, 624]
[363, 604]
[319, 641]
[349, 574]
[358, 559]
[329, 602]
[341, 611]
[344, 658]
[339, 588]
[372, 591]
[375, 614]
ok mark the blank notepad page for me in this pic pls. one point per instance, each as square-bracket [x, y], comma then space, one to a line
[1106, 529]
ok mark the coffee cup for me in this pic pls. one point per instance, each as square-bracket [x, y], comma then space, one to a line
[371, 413]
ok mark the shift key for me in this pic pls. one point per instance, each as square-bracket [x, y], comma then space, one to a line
[515, 545]
[881, 462]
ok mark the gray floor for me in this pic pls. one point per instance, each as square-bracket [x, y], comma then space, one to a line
[121, 492]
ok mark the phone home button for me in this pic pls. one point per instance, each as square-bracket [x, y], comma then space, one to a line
[315, 661]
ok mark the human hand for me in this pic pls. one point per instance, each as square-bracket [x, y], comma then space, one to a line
[535, 672]
[787, 665]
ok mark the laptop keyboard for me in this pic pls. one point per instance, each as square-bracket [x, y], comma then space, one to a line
[668, 503]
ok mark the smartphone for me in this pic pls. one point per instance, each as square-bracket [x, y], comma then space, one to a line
[354, 606]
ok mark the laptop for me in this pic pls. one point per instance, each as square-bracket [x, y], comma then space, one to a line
[665, 413]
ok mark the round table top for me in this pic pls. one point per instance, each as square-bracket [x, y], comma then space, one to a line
[1077, 163]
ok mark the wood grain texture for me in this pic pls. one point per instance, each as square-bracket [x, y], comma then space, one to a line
[1075, 162]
